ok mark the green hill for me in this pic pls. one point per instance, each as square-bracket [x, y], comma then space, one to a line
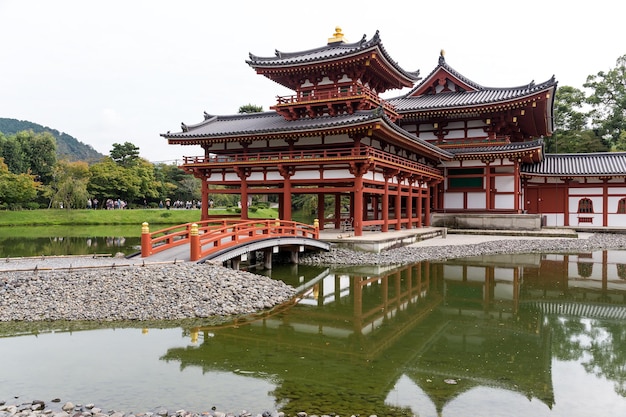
[68, 147]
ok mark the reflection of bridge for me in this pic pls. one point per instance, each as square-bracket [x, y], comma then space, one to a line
[222, 240]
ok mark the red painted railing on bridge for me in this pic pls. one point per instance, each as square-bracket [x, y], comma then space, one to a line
[211, 236]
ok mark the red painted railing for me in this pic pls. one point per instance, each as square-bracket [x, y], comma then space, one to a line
[210, 236]
[363, 152]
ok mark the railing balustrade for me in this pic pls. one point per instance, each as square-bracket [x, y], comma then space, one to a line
[363, 152]
[216, 235]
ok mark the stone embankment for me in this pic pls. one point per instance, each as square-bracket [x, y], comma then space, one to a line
[415, 253]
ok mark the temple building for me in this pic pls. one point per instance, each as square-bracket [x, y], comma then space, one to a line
[447, 146]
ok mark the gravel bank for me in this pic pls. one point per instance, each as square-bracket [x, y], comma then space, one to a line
[415, 253]
[154, 292]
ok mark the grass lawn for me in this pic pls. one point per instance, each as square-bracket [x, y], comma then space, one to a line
[60, 217]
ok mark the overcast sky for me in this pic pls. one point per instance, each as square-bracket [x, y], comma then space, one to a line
[111, 71]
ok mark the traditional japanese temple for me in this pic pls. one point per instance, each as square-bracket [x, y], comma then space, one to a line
[447, 146]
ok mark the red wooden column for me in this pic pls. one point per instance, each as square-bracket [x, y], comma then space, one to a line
[204, 215]
[420, 201]
[566, 201]
[409, 203]
[243, 174]
[517, 184]
[488, 189]
[385, 206]
[337, 211]
[427, 210]
[320, 209]
[287, 172]
[605, 201]
[398, 203]
[358, 205]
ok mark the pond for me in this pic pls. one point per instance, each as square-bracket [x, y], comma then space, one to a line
[523, 335]
[22, 241]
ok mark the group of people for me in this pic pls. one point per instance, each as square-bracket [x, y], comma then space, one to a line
[179, 204]
[109, 204]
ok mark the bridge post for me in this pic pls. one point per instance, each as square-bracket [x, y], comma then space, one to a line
[194, 243]
[146, 241]
[267, 258]
[316, 226]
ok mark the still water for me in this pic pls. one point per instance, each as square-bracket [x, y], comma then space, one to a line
[523, 335]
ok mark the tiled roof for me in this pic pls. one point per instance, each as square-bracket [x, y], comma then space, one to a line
[330, 52]
[576, 165]
[254, 124]
[504, 148]
[479, 95]
[485, 95]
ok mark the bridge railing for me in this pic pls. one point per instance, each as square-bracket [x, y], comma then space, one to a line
[214, 235]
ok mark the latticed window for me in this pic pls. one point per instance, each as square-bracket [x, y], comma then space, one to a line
[585, 205]
[621, 206]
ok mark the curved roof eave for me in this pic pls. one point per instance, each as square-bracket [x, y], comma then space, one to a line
[272, 124]
[331, 52]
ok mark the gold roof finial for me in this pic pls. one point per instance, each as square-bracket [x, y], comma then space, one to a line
[442, 53]
[337, 36]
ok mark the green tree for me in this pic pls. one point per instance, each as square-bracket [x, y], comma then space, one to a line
[13, 155]
[125, 154]
[16, 190]
[250, 108]
[69, 186]
[608, 100]
[40, 150]
[110, 180]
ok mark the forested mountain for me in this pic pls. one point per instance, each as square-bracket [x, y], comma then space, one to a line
[68, 147]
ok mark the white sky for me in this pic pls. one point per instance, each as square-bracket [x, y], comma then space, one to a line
[111, 71]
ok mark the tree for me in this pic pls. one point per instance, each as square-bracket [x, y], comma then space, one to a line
[608, 100]
[250, 108]
[125, 155]
[110, 180]
[16, 190]
[69, 187]
[40, 150]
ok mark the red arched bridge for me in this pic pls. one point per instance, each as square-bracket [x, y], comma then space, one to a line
[221, 240]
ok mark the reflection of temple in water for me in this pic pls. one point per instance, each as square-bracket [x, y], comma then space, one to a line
[448, 327]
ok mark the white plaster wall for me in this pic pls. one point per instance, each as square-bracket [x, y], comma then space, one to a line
[256, 176]
[337, 173]
[476, 133]
[617, 220]
[453, 200]
[476, 200]
[583, 192]
[230, 177]
[427, 135]
[473, 164]
[504, 201]
[273, 176]
[455, 134]
[306, 175]
[505, 184]
[554, 219]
